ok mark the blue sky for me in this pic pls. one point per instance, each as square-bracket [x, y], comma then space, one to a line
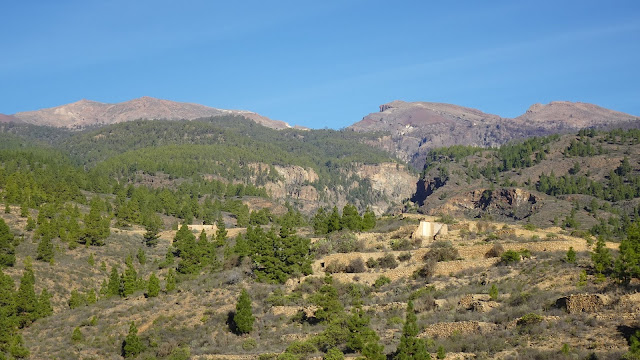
[321, 63]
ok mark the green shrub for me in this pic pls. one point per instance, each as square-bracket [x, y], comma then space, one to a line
[372, 263]
[243, 319]
[381, 281]
[334, 354]
[510, 257]
[77, 336]
[249, 344]
[571, 256]
[529, 319]
[493, 292]
[180, 353]
[401, 244]
[301, 348]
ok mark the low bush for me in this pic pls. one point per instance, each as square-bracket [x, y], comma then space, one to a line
[335, 266]
[404, 256]
[442, 251]
[356, 266]
[427, 270]
[388, 261]
[401, 244]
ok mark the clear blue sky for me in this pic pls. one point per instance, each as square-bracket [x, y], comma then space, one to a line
[321, 63]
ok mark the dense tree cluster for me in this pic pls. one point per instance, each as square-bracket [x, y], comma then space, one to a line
[18, 309]
[325, 222]
[276, 255]
[622, 184]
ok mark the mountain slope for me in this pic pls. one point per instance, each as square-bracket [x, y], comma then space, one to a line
[90, 113]
[417, 127]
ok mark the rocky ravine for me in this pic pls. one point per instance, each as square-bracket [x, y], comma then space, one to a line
[415, 128]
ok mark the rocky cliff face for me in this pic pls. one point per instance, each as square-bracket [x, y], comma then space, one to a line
[392, 180]
[92, 113]
[392, 183]
[512, 203]
[415, 128]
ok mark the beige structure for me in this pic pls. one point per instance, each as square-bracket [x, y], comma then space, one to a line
[427, 230]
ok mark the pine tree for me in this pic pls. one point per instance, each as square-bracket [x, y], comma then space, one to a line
[333, 221]
[153, 286]
[360, 334]
[243, 318]
[411, 347]
[129, 280]
[170, 281]
[31, 224]
[91, 261]
[132, 345]
[571, 255]
[350, 218]
[45, 249]
[26, 300]
[113, 287]
[96, 228]
[221, 233]
[327, 300]
[241, 248]
[24, 210]
[320, 223]
[7, 251]
[8, 321]
[141, 256]
[152, 224]
[77, 336]
[44, 307]
[190, 256]
[368, 220]
[17, 348]
[91, 296]
[182, 235]
[76, 300]
[601, 257]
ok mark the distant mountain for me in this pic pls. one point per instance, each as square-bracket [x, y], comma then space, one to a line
[7, 118]
[416, 127]
[86, 113]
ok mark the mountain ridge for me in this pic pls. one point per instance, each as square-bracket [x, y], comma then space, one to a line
[84, 113]
[417, 127]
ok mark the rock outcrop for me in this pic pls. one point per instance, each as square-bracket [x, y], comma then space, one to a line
[514, 203]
